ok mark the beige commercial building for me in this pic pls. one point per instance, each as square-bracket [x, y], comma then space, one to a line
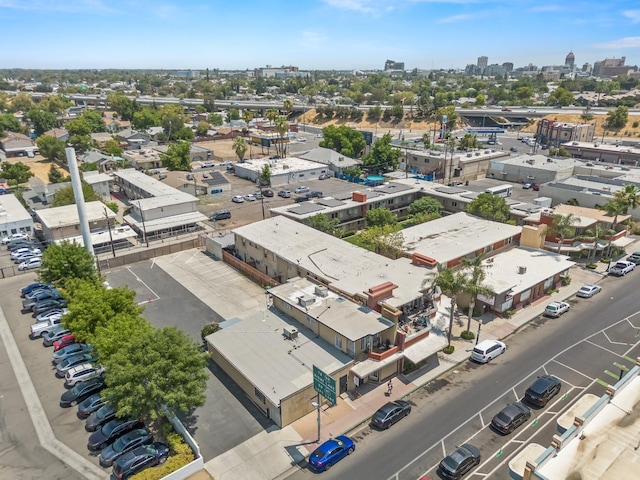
[59, 223]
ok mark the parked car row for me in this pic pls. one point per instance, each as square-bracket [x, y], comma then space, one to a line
[124, 443]
[24, 251]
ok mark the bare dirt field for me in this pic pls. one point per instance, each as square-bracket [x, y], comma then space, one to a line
[39, 167]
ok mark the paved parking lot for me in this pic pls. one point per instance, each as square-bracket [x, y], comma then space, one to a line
[579, 375]
[66, 426]
[190, 289]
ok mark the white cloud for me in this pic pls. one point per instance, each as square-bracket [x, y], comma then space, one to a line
[633, 15]
[380, 6]
[457, 18]
[68, 6]
[627, 42]
[313, 39]
[547, 8]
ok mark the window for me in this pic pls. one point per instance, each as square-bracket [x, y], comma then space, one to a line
[364, 343]
[548, 283]
[454, 204]
[351, 348]
[311, 321]
[525, 295]
[259, 395]
[338, 342]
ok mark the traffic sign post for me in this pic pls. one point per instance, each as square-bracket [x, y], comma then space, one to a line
[325, 386]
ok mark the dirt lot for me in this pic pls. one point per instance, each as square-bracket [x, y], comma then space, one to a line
[39, 167]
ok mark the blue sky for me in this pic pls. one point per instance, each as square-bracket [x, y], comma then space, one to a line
[313, 34]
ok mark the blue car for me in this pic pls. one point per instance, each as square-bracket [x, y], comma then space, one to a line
[331, 452]
[34, 286]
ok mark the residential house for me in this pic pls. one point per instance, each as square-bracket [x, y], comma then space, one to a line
[59, 133]
[17, 145]
[59, 223]
[103, 162]
[133, 138]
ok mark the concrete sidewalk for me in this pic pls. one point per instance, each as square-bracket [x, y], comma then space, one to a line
[270, 456]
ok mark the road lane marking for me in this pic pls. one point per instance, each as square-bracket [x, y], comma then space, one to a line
[603, 348]
[612, 342]
[562, 352]
[574, 370]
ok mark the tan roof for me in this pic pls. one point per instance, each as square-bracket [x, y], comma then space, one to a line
[599, 215]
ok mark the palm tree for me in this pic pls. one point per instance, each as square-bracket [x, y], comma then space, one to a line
[282, 127]
[597, 232]
[563, 226]
[474, 285]
[451, 284]
[247, 116]
[240, 147]
[288, 106]
[629, 196]
[614, 207]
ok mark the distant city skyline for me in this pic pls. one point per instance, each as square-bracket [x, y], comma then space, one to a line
[314, 34]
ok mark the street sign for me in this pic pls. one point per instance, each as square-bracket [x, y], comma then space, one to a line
[324, 385]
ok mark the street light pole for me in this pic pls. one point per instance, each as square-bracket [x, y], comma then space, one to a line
[318, 405]
[113, 249]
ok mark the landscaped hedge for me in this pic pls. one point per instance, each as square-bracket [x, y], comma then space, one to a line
[181, 455]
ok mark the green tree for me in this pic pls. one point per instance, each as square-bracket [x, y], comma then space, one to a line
[51, 148]
[287, 105]
[560, 96]
[22, 102]
[16, 173]
[470, 141]
[378, 217]
[322, 223]
[618, 118]
[450, 113]
[146, 118]
[113, 206]
[178, 157]
[353, 172]
[81, 143]
[94, 119]
[480, 100]
[383, 156]
[53, 103]
[282, 127]
[344, 140]
[165, 368]
[62, 262]
[474, 284]
[92, 305]
[629, 197]
[563, 226]
[264, 180]
[125, 107]
[78, 126]
[112, 147]
[233, 114]
[42, 120]
[203, 128]
[55, 174]
[426, 205]
[65, 195]
[215, 119]
[9, 123]
[491, 207]
[384, 239]
[451, 284]
[240, 147]
[374, 114]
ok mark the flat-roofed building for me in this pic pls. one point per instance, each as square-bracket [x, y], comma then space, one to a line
[520, 276]
[332, 159]
[532, 168]
[157, 208]
[59, 223]
[554, 133]
[444, 242]
[100, 182]
[617, 154]
[271, 359]
[14, 217]
[351, 207]
[283, 171]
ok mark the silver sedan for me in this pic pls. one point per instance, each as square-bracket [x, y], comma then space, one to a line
[588, 291]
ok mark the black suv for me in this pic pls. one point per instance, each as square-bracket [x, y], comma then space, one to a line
[140, 458]
[221, 215]
[81, 391]
[542, 390]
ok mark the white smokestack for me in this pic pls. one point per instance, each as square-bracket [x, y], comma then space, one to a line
[76, 183]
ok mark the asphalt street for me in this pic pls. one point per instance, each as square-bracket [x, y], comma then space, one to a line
[457, 408]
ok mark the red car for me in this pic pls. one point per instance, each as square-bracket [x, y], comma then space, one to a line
[536, 187]
[64, 342]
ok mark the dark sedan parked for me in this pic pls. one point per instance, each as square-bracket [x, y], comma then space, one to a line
[45, 305]
[34, 286]
[90, 405]
[127, 442]
[542, 390]
[111, 431]
[459, 462]
[81, 391]
[98, 418]
[510, 418]
[390, 413]
[138, 459]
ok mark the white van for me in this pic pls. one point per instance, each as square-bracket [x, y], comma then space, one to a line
[487, 350]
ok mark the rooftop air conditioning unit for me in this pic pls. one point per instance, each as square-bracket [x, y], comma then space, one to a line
[321, 291]
[522, 270]
[306, 300]
[290, 333]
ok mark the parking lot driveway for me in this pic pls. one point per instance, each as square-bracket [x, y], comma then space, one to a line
[189, 290]
[21, 456]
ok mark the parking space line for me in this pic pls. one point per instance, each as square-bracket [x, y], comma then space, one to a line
[444, 449]
[574, 370]
[544, 369]
[603, 348]
[612, 342]
[482, 420]
[143, 283]
[515, 394]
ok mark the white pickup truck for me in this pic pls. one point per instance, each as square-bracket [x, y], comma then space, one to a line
[555, 309]
[621, 268]
[39, 329]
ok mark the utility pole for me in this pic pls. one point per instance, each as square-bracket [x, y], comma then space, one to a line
[144, 227]
[113, 249]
